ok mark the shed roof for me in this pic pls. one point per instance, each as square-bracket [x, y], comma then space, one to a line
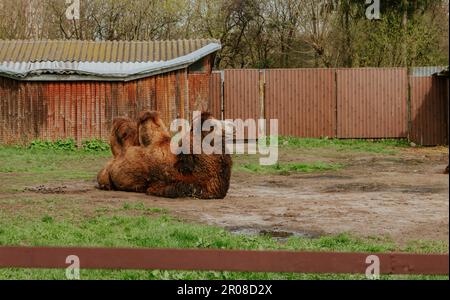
[94, 60]
[425, 71]
[97, 51]
[443, 73]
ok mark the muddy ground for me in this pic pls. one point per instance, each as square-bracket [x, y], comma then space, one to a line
[403, 196]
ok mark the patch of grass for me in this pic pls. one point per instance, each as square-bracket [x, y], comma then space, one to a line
[157, 210]
[387, 146]
[47, 219]
[167, 232]
[287, 168]
[51, 163]
[141, 207]
[102, 210]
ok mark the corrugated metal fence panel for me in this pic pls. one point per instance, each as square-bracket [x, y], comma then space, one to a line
[181, 100]
[241, 94]
[20, 112]
[83, 110]
[372, 103]
[198, 91]
[429, 110]
[215, 95]
[303, 100]
[162, 97]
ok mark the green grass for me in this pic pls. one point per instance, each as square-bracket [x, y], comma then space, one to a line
[164, 231]
[287, 168]
[387, 146]
[54, 163]
[55, 158]
[141, 207]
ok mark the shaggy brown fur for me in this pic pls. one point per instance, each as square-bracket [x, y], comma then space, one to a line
[103, 181]
[153, 168]
[204, 176]
[139, 166]
[124, 134]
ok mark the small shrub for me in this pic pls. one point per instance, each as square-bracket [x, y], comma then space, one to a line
[95, 145]
[65, 145]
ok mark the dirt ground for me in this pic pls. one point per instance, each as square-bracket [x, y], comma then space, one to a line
[404, 196]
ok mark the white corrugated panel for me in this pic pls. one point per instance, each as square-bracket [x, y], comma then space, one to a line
[104, 70]
[425, 71]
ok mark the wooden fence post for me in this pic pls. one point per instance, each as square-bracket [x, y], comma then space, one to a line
[262, 96]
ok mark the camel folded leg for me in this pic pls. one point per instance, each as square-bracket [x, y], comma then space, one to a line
[182, 189]
[103, 178]
[170, 190]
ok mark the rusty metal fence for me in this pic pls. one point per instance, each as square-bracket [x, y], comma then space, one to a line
[341, 103]
[429, 110]
[371, 103]
[241, 94]
[303, 100]
[83, 110]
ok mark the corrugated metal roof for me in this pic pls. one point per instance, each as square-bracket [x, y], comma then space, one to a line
[98, 51]
[104, 70]
[443, 73]
[425, 71]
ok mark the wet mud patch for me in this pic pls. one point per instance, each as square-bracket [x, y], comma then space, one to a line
[276, 234]
[422, 190]
[356, 187]
[278, 183]
[380, 187]
[325, 176]
[72, 188]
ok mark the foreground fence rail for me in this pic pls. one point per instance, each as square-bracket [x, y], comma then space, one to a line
[223, 260]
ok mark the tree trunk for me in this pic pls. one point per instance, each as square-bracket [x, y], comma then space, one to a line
[405, 33]
[348, 39]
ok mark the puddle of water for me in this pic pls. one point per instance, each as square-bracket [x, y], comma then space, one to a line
[422, 190]
[326, 176]
[261, 190]
[380, 187]
[356, 187]
[279, 235]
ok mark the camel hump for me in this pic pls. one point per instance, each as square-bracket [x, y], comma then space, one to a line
[148, 114]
